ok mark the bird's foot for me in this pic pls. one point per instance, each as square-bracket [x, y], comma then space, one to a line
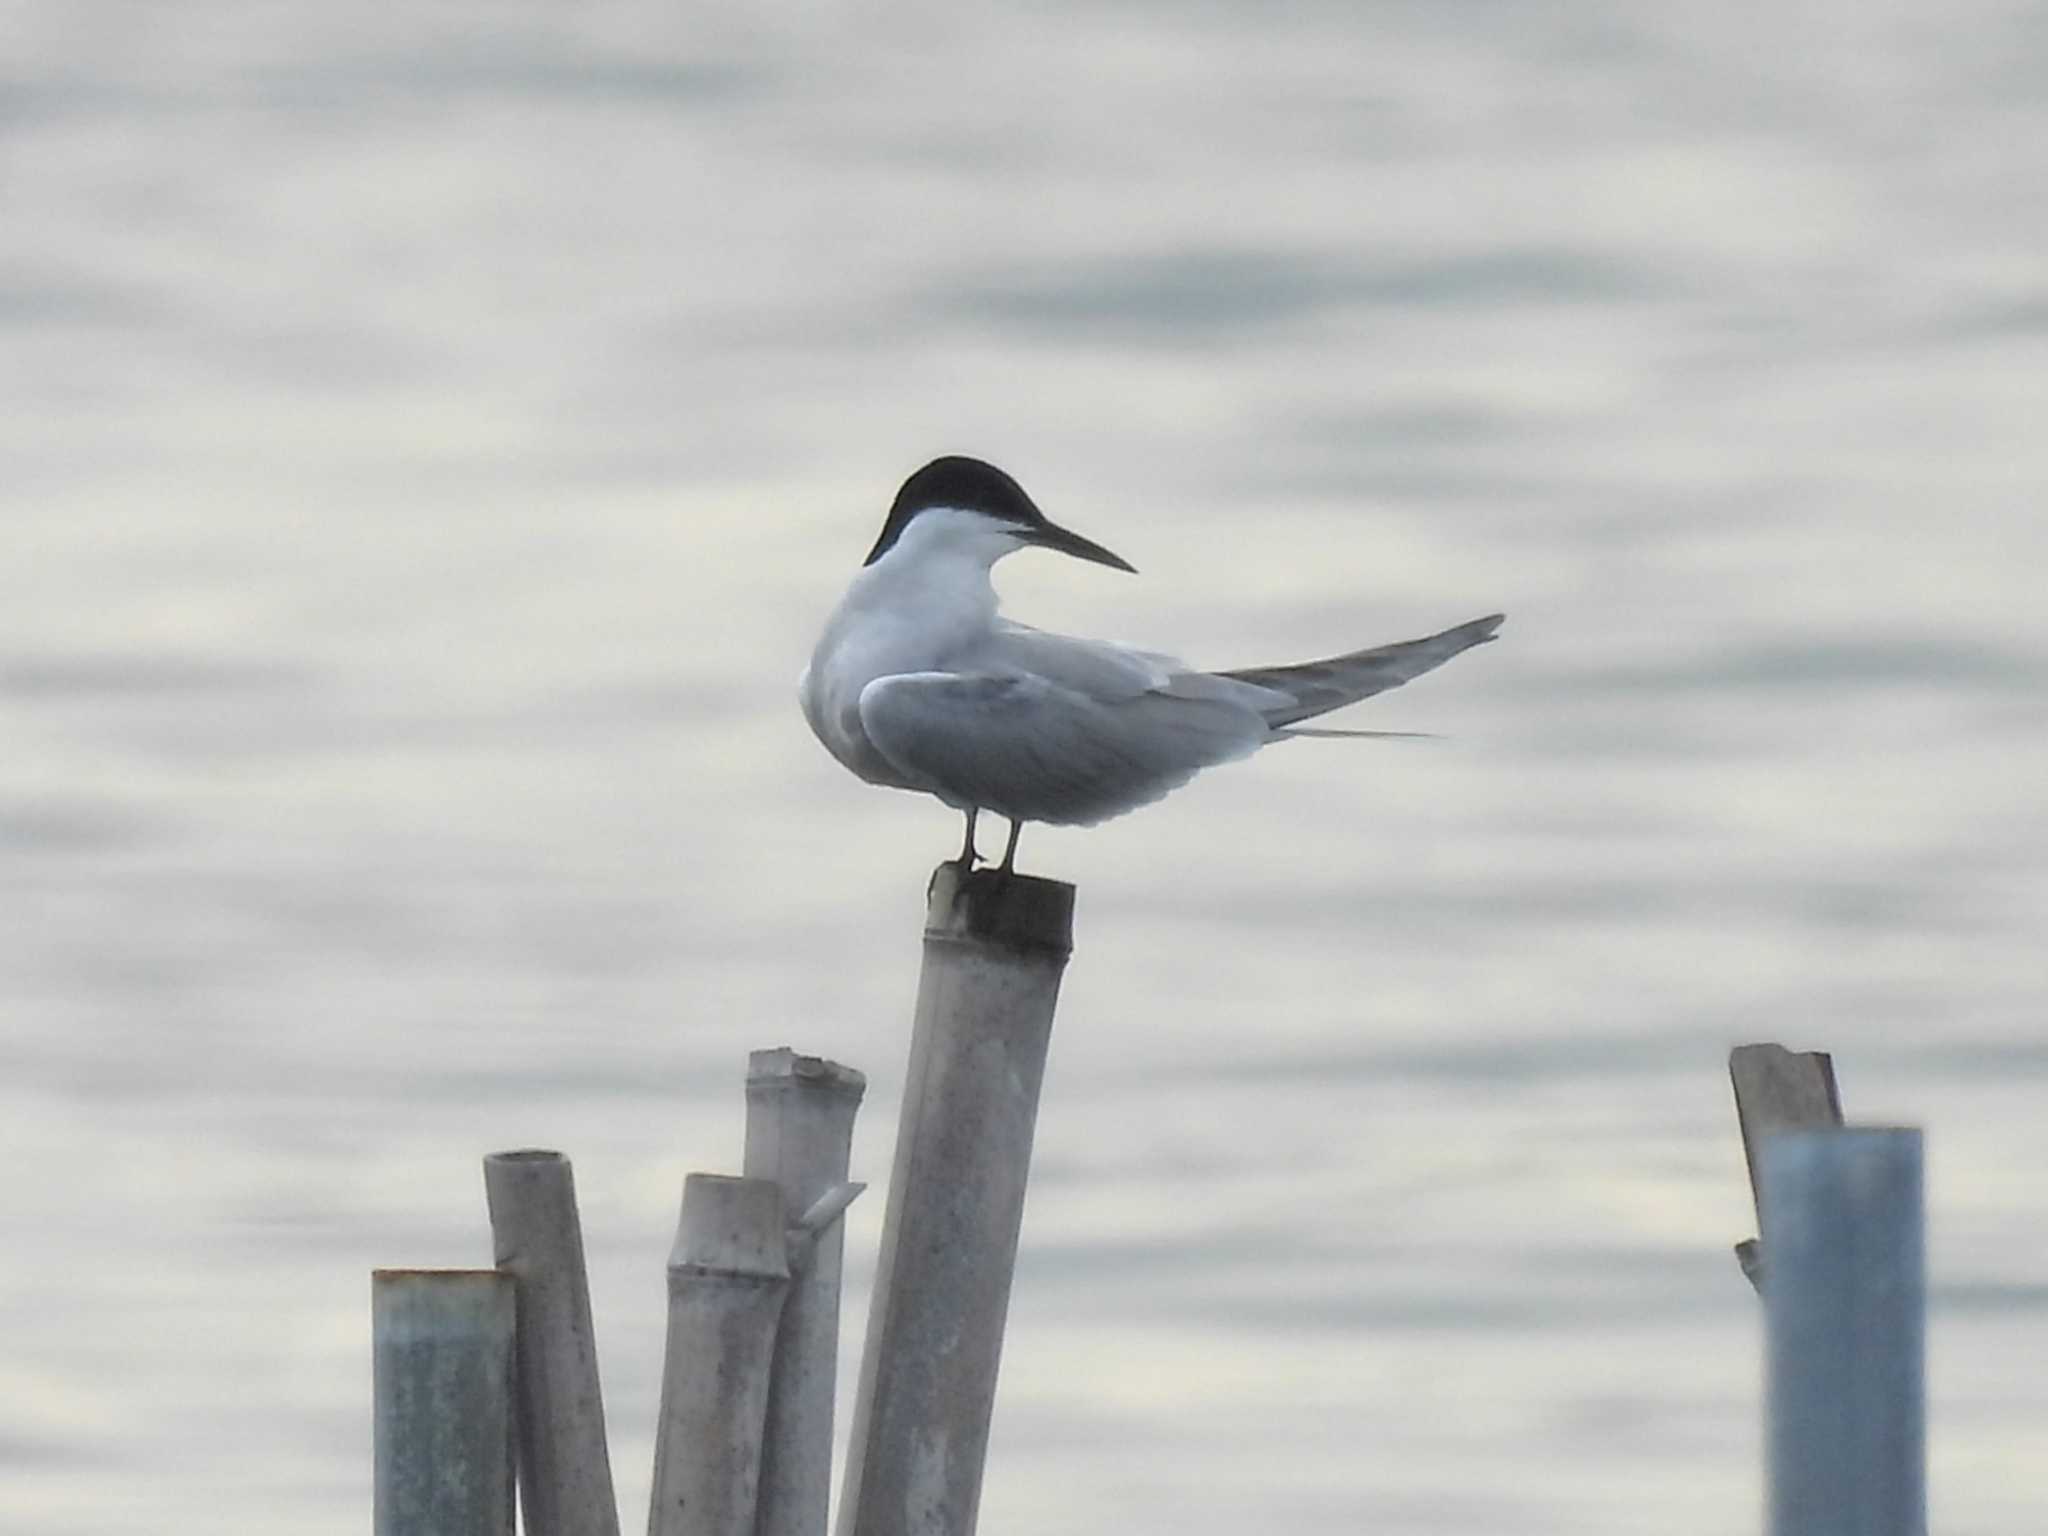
[1009, 864]
[968, 857]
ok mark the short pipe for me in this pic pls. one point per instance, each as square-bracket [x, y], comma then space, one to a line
[800, 1114]
[565, 1470]
[726, 1282]
[441, 1349]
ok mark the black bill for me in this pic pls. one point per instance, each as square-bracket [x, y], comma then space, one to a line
[1052, 536]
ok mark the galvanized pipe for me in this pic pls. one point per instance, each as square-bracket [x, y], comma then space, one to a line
[1845, 1307]
[995, 946]
[441, 1348]
[565, 1469]
[800, 1112]
[727, 1278]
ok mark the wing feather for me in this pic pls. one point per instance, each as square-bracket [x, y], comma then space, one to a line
[1313, 688]
[1105, 671]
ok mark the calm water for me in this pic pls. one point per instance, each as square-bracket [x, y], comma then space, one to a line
[430, 443]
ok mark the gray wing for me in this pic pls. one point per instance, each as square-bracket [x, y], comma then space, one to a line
[1103, 670]
[1316, 687]
[1033, 749]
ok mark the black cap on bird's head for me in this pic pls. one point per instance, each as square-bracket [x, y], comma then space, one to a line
[970, 485]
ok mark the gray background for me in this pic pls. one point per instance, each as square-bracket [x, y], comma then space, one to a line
[431, 442]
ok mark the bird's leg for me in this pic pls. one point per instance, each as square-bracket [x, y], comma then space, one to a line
[967, 854]
[1009, 864]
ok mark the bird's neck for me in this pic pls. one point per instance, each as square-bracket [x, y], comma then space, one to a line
[945, 592]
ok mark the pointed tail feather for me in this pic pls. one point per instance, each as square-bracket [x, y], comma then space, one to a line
[1317, 687]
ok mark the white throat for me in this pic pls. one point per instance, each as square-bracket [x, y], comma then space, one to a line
[948, 538]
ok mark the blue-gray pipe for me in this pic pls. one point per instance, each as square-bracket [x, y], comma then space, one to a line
[1845, 1305]
[441, 1346]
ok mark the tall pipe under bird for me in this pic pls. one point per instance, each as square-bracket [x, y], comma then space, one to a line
[995, 948]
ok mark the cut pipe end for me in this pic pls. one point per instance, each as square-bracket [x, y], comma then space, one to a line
[989, 906]
[731, 1226]
[783, 1067]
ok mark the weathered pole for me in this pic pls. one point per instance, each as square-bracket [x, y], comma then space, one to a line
[441, 1348]
[565, 1469]
[727, 1278]
[800, 1112]
[1845, 1325]
[995, 946]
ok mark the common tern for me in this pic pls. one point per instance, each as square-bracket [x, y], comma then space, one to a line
[917, 683]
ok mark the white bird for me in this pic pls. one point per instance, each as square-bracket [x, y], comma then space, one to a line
[917, 683]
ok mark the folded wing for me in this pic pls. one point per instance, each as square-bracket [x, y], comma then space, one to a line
[1102, 670]
[1035, 749]
[1044, 727]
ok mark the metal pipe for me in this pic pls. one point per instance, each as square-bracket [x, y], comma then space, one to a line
[442, 1366]
[995, 946]
[1845, 1323]
[800, 1112]
[565, 1469]
[727, 1278]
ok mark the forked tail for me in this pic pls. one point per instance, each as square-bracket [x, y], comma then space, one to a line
[1317, 687]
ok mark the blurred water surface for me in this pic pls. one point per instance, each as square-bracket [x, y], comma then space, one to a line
[431, 440]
